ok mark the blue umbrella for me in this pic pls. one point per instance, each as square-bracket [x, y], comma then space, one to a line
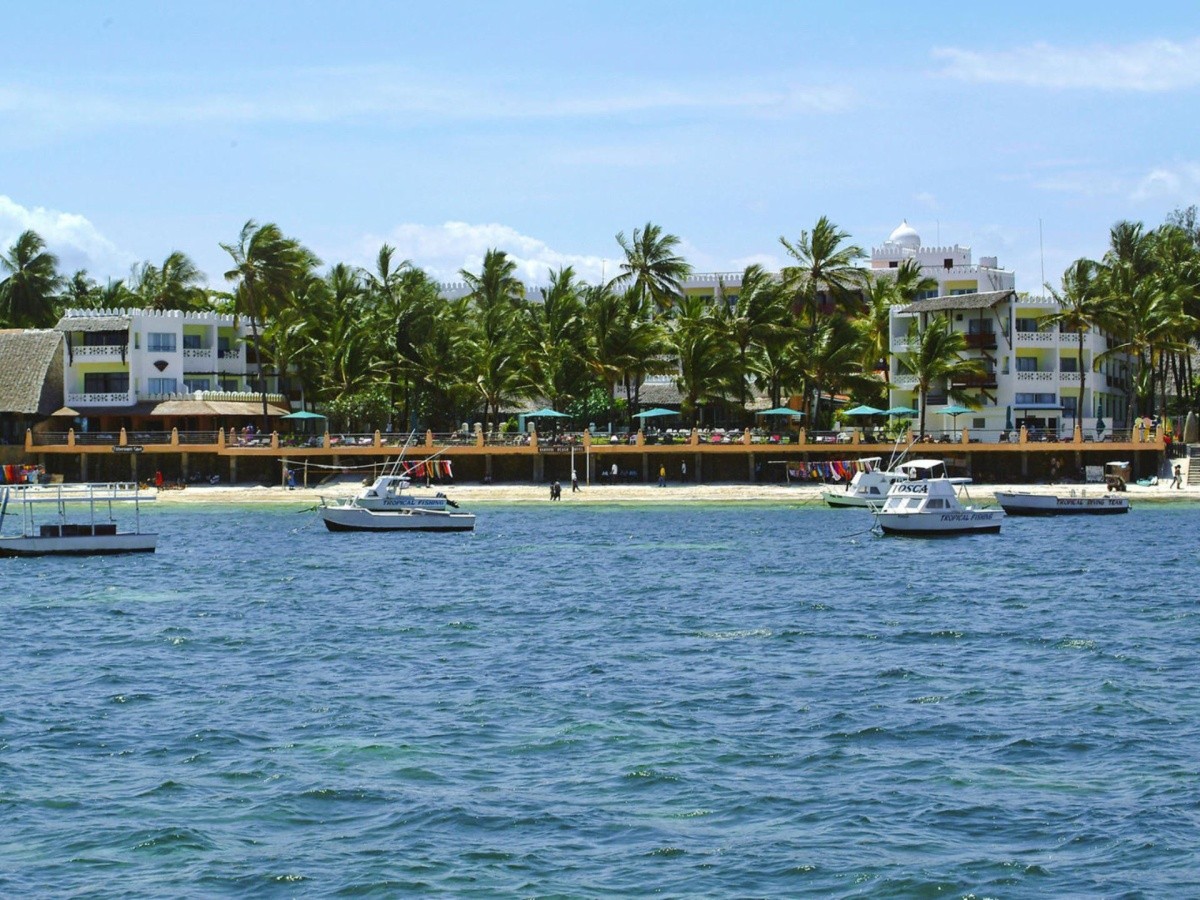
[863, 411]
[781, 411]
[655, 413]
[902, 411]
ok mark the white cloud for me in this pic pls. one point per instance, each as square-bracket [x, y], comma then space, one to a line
[444, 250]
[70, 236]
[1147, 66]
[1179, 183]
[389, 94]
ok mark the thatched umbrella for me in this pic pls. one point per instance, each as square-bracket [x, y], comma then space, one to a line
[1191, 428]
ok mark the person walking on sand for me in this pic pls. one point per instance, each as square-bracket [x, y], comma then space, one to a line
[158, 480]
[574, 481]
[682, 471]
[1177, 481]
[662, 476]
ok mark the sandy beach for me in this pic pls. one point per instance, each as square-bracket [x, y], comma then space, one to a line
[480, 495]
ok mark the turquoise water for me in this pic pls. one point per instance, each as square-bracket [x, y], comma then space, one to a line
[606, 701]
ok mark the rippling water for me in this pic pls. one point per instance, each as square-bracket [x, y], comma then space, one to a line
[581, 701]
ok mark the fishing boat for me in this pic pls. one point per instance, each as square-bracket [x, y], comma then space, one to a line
[868, 487]
[927, 504]
[1025, 503]
[73, 519]
[388, 504]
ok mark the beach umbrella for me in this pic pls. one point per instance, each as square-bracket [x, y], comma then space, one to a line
[902, 411]
[1008, 425]
[655, 413]
[545, 413]
[863, 411]
[1191, 428]
[303, 414]
[781, 411]
[955, 412]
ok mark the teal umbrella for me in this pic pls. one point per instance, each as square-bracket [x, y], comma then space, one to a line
[955, 412]
[301, 414]
[781, 411]
[863, 411]
[902, 411]
[545, 413]
[655, 413]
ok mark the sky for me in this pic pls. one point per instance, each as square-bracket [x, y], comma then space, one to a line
[1024, 130]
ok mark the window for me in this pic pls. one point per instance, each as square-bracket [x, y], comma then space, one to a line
[948, 263]
[106, 382]
[229, 386]
[105, 338]
[1068, 364]
[979, 423]
[980, 326]
[191, 342]
[161, 385]
[1035, 400]
[1070, 404]
[1026, 325]
[160, 342]
[1027, 364]
[893, 264]
[196, 384]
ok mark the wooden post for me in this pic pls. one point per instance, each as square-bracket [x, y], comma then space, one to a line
[70, 439]
[174, 437]
[123, 440]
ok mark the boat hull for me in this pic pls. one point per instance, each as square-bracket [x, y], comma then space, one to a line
[846, 500]
[79, 545]
[1052, 505]
[352, 518]
[941, 524]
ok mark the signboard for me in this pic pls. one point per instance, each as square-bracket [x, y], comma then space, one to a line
[132, 448]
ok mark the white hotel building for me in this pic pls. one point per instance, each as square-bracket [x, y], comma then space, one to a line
[129, 362]
[1031, 373]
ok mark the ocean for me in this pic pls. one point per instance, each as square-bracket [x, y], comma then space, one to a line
[605, 701]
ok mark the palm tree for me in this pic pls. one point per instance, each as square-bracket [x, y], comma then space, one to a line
[556, 337]
[651, 267]
[27, 295]
[177, 285]
[825, 262]
[759, 315]
[938, 358]
[267, 268]
[495, 347]
[832, 357]
[1082, 306]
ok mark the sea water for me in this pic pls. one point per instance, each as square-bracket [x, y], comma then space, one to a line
[692, 700]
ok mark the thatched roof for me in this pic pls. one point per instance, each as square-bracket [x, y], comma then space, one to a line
[985, 300]
[93, 323]
[30, 372]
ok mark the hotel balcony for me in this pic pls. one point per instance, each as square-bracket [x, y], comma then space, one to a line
[199, 359]
[1040, 377]
[982, 341]
[78, 401]
[986, 380]
[99, 352]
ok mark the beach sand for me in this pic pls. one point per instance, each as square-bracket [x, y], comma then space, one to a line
[470, 495]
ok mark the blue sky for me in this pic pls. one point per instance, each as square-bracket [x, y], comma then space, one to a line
[128, 130]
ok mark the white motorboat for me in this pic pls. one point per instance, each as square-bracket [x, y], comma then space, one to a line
[76, 519]
[867, 488]
[1026, 503]
[389, 505]
[928, 505]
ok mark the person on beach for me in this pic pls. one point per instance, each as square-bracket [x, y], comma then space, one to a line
[574, 481]
[614, 473]
[662, 476]
[158, 480]
[1177, 482]
[682, 471]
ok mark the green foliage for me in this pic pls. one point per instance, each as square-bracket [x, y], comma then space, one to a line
[361, 411]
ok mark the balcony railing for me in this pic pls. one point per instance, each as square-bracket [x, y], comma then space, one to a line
[985, 340]
[1036, 376]
[99, 351]
[1036, 337]
[197, 352]
[984, 380]
[92, 398]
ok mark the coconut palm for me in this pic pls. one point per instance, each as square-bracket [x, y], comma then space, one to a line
[759, 315]
[1082, 306]
[556, 337]
[28, 294]
[267, 268]
[652, 268]
[178, 284]
[937, 358]
[495, 348]
[825, 262]
[706, 355]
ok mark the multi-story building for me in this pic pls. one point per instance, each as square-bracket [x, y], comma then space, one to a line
[124, 363]
[1031, 373]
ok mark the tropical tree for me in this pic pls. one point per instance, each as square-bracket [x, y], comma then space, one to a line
[938, 358]
[759, 316]
[556, 338]
[495, 348]
[267, 269]
[825, 262]
[652, 268]
[28, 295]
[832, 357]
[177, 284]
[706, 356]
[1082, 306]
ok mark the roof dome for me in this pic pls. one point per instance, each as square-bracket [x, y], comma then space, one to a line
[905, 236]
